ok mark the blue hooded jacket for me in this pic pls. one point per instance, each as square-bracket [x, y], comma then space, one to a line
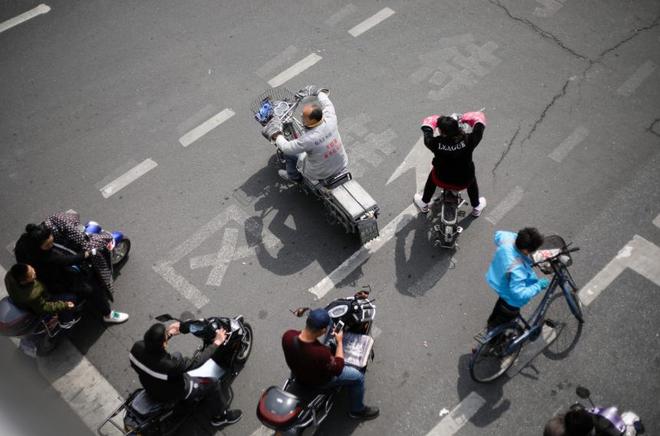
[510, 273]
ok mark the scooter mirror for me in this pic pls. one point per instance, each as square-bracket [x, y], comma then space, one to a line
[583, 392]
[164, 317]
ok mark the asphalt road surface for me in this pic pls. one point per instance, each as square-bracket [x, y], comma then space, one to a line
[101, 103]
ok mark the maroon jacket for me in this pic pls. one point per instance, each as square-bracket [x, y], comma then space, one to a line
[312, 364]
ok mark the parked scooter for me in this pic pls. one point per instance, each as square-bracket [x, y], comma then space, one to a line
[344, 199]
[38, 334]
[293, 408]
[145, 416]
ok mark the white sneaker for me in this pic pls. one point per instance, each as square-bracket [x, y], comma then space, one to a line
[116, 317]
[476, 211]
[423, 207]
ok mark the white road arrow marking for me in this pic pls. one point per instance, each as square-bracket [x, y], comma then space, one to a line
[418, 159]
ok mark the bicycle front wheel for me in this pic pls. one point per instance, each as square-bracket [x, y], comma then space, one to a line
[490, 360]
[572, 298]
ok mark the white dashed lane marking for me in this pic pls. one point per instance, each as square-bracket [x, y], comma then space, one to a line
[578, 135]
[206, 127]
[128, 177]
[459, 416]
[294, 70]
[39, 10]
[372, 21]
[509, 202]
[640, 75]
[338, 16]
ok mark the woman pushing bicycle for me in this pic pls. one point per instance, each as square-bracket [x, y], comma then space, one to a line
[511, 273]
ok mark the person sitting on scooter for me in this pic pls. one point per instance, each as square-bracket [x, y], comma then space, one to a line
[163, 375]
[319, 152]
[53, 265]
[511, 274]
[452, 150]
[28, 293]
[313, 365]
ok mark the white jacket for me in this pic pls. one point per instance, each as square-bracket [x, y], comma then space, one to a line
[325, 151]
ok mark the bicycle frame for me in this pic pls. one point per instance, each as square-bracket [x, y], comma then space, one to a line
[532, 327]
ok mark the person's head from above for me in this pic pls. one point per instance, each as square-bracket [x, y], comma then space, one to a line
[555, 427]
[529, 240]
[312, 115]
[317, 322]
[155, 339]
[40, 236]
[23, 273]
[578, 422]
[448, 127]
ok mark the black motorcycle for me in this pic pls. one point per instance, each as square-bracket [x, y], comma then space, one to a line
[295, 407]
[145, 416]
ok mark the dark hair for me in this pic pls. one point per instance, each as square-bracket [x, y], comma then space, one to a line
[154, 337]
[19, 271]
[555, 427]
[38, 233]
[448, 127]
[529, 239]
[317, 113]
[578, 422]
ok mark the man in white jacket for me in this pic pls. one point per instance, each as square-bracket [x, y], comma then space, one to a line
[318, 153]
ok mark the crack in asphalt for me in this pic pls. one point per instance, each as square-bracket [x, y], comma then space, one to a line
[547, 107]
[506, 151]
[651, 128]
[544, 33]
[635, 32]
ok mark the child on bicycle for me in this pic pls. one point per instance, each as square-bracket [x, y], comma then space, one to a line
[511, 274]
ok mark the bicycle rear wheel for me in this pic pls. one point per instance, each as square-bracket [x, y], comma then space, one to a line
[572, 297]
[490, 361]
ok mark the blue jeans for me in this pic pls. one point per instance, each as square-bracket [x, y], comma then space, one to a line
[353, 379]
[291, 167]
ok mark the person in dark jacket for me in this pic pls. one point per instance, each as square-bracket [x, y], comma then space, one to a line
[28, 293]
[452, 149]
[313, 364]
[163, 375]
[37, 247]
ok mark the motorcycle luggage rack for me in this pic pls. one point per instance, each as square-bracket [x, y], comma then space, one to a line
[110, 420]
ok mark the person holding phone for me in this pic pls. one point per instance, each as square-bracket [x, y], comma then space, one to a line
[313, 365]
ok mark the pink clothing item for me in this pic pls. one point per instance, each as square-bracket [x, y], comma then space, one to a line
[431, 121]
[472, 118]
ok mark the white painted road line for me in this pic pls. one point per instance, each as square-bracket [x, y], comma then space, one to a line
[640, 255]
[509, 202]
[361, 256]
[128, 177]
[372, 21]
[262, 431]
[578, 135]
[459, 416]
[39, 10]
[77, 381]
[656, 221]
[277, 61]
[206, 127]
[294, 70]
[642, 73]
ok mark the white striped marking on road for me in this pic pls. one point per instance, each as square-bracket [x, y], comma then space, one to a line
[277, 61]
[656, 221]
[262, 431]
[294, 70]
[77, 381]
[344, 12]
[509, 202]
[638, 254]
[372, 21]
[459, 416]
[633, 82]
[34, 12]
[206, 127]
[532, 349]
[578, 135]
[361, 256]
[128, 177]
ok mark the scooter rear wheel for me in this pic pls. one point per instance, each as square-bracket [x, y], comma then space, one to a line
[119, 254]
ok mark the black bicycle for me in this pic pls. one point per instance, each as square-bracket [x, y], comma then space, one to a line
[499, 347]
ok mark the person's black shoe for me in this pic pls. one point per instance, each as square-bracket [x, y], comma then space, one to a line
[366, 414]
[229, 417]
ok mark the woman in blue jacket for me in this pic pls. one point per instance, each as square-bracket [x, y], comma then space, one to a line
[511, 274]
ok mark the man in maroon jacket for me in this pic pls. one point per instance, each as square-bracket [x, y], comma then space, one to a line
[313, 364]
